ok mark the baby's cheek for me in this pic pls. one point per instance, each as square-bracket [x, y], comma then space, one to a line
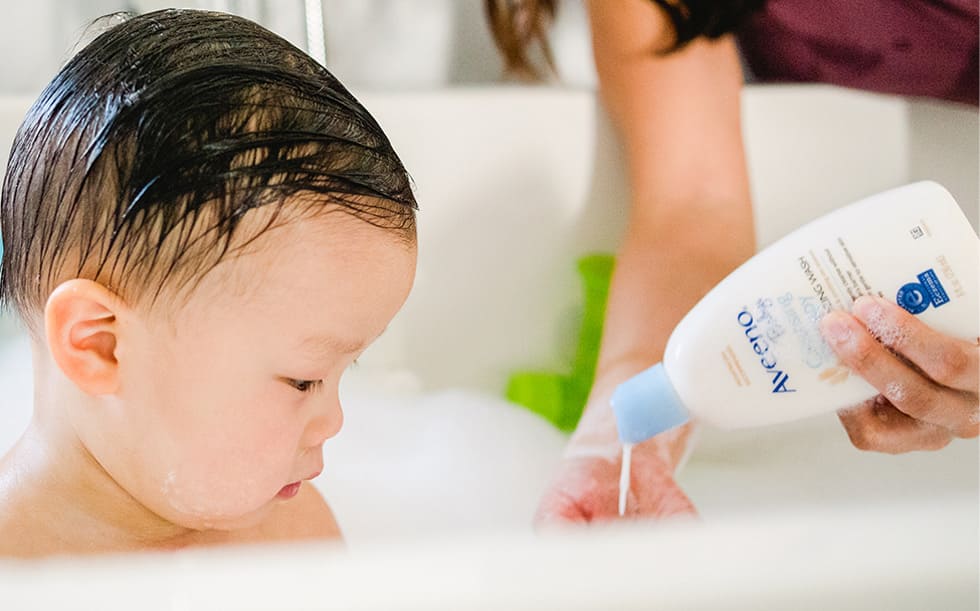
[231, 474]
[261, 460]
[211, 492]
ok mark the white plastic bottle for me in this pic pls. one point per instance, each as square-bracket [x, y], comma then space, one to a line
[750, 353]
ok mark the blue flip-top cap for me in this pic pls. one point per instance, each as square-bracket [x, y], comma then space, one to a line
[646, 405]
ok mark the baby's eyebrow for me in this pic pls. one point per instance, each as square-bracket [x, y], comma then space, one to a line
[329, 345]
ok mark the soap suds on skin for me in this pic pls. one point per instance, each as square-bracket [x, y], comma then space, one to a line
[188, 504]
[895, 392]
[885, 331]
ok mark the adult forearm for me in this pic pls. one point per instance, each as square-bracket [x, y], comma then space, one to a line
[666, 264]
[678, 117]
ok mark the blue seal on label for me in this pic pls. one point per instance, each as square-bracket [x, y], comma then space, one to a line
[912, 297]
[916, 297]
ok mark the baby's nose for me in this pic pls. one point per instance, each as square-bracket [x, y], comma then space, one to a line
[324, 425]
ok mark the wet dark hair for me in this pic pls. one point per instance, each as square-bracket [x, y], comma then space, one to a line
[518, 25]
[138, 162]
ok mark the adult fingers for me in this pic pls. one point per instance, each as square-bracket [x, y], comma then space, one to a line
[877, 426]
[905, 387]
[948, 361]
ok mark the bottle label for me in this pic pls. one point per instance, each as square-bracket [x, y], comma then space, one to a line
[759, 338]
[916, 297]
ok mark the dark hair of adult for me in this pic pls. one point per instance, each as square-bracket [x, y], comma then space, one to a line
[521, 25]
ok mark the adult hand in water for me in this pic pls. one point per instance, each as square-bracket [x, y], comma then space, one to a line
[928, 381]
[586, 487]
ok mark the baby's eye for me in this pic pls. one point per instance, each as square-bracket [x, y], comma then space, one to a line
[306, 385]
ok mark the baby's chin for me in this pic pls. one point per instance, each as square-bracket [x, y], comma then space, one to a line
[225, 522]
[220, 515]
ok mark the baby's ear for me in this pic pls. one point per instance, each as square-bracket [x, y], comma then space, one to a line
[81, 328]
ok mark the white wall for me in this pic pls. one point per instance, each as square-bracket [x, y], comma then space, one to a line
[371, 44]
[943, 146]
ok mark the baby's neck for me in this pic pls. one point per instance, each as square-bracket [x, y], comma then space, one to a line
[64, 502]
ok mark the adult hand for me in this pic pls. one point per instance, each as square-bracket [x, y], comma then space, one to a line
[587, 490]
[928, 381]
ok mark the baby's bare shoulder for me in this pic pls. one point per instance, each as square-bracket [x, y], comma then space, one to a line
[20, 537]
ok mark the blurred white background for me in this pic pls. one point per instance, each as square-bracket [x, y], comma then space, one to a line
[376, 44]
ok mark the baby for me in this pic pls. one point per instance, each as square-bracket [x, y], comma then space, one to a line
[203, 229]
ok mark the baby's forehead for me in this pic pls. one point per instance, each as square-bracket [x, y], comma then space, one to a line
[303, 225]
[332, 274]
[299, 243]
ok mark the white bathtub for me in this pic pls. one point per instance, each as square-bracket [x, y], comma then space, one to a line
[434, 478]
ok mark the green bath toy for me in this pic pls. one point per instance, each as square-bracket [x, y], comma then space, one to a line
[561, 398]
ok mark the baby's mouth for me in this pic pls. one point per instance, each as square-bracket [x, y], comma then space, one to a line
[289, 491]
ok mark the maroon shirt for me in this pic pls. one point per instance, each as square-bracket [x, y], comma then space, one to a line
[908, 47]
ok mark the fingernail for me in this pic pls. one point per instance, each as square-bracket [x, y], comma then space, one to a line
[835, 328]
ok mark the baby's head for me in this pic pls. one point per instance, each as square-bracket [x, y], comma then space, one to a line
[202, 231]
